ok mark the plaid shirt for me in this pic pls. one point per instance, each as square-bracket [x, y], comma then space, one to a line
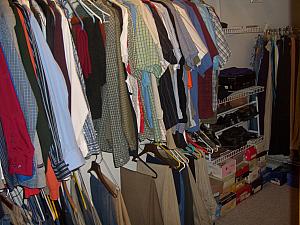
[221, 43]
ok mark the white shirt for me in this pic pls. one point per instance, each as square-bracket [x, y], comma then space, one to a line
[79, 108]
[59, 99]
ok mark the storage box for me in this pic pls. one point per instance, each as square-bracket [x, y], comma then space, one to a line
[256, 185]
[279, 176]
[216, 185]
[240, 183]
[253, 175]
[266, 175]
[253, 164]
[250, 153]
[228, 181]
[228, 190]
[223, 169]
[228, 203]
[243, 193]
[241, 169]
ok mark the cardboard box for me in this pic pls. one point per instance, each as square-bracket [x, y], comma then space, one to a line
[223, 169]
[243, 193]
[228, 190]
[253, 175]
[228, 203]
[256, 185]
[279, 175]
[228, 181]
[250, 153]
[241, 169]
[216, 185]
[253, 164]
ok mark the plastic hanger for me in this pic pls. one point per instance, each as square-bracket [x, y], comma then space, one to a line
[76, 14]
[91, 12]
[95, 167]
[153, 148]
[86, 9]
[169, 152]
[103, 12]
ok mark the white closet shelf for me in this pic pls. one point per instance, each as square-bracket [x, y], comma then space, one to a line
[243, 30]
[242, 93]
[234, 125]
[232, 153]
[234, 109]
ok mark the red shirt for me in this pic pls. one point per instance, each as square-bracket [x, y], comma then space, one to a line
[20, 150]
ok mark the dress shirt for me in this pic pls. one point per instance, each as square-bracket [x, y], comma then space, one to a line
[206, 61]
[187, 46]
[59, 98]
[150, 23]
[158, 107]
[88, 127]
[79, 109]
[221, 43]
[164, 15]
[7, 13]
[202, 50]
[164, 40]
[124, 33]
[39, 15]
[20, 150]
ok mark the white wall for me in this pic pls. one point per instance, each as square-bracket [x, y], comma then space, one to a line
[275, 13]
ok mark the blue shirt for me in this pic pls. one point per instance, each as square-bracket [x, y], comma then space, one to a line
[146, 84]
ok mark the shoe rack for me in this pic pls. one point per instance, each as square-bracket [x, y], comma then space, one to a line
[251, 95]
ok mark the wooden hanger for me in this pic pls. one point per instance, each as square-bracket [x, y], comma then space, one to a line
[6, 202]
[64, 184]
[95, 167]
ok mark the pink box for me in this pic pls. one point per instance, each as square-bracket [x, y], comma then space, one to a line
[223, 169]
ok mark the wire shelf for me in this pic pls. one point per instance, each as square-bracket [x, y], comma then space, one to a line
[231, 154]
[241, 94]
[243, 30]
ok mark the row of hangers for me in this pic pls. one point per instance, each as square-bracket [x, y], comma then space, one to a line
[176, 158]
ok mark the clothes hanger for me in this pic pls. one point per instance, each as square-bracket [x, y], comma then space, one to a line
[103, 12]
[48, 203]
[169, 152]
[134, 159]
[6, 202]
[95, 167]
[153, 149]
[76, 14]
[66, 190]
[86, 9]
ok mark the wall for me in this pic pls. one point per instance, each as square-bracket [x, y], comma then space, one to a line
[274, 13]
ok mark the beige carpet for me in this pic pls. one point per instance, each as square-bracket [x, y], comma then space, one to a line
[274, 205]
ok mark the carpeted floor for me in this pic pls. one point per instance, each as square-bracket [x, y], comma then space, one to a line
[274, 205]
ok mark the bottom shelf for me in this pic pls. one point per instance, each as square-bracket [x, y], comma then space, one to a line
[232, 153]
